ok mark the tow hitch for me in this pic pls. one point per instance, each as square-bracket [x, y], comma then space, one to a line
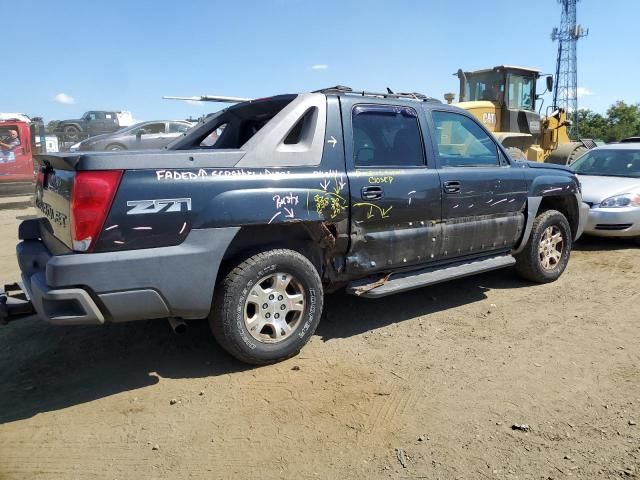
[14, 304]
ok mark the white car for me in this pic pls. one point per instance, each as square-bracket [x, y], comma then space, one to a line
[610, 178]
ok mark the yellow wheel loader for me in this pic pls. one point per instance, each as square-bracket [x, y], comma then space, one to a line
[504, 99]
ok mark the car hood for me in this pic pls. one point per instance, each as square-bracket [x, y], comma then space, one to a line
[548, 166]
[597, 188]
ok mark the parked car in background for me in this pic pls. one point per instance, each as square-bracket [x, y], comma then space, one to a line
[94, 122]
[141, 136]
[610, 178]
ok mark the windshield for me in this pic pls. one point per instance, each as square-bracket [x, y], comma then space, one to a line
[613, 163]
[484, 86]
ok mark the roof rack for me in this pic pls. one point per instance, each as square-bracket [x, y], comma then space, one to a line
[343, 90]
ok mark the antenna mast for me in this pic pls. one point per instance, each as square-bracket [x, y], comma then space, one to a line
[565, 92]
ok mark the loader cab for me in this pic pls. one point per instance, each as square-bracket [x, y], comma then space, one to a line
[511, 90]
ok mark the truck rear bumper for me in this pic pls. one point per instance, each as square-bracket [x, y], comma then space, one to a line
[95, 288]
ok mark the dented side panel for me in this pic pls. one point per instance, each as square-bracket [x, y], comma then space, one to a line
[487, 212]
[400, 226]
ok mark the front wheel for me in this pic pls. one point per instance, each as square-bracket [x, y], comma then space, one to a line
[115, 147]
[546, 254]
[268, 307]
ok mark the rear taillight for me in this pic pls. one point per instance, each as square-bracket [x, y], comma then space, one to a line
[91, 199]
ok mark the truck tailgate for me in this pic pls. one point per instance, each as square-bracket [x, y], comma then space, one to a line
[54, 184]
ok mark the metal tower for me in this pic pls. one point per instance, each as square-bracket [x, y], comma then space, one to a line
[565, 92]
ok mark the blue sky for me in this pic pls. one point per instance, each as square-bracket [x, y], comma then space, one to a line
[127, 54]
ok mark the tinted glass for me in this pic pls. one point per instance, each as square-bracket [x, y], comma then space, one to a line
[612, 163]
[521, 92]
[178, 127]
[484, 86]
[155, 128]
[149, 128]
[213, 137]
[462, 143]
[386, 136]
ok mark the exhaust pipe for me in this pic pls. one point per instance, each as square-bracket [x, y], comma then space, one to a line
[178, 326]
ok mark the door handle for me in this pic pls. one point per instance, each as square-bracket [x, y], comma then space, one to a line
[451, 187]
[372, 193]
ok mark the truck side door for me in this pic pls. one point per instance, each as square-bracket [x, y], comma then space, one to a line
[110, 122]
[96, 124]
[483, 196]
[394, 187]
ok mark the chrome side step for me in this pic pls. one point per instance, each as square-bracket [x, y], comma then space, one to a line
[401, 282]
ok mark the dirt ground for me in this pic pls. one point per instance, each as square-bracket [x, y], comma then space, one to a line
[435, 378]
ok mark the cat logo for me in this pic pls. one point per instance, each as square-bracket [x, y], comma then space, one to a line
[489, 118]
[165, 205]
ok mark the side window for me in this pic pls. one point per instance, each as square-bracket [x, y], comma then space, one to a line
[462, 143]
[154, 128]
[99, 116]
[91, 116]
[211, 139]
[386, 136]
[521, 92]
[175, 127]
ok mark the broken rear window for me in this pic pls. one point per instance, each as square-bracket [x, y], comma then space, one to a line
[233, 127]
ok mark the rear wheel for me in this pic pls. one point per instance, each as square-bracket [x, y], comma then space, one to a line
[268, 307]
[71, 132]
[546, 254]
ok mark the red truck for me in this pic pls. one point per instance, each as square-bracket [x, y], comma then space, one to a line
[16, 163]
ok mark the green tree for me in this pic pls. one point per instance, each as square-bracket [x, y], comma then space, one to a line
[51, 125]
[592, 124]
[622, 120]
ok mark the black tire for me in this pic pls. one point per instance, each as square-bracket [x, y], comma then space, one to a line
[231, 307]
[530, 262]
[576, 154]
[71, 132]
[516, 154]
[115, 147]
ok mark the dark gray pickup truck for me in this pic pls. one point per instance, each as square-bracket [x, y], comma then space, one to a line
[252, 215]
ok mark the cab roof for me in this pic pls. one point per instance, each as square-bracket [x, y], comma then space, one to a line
[502, 68]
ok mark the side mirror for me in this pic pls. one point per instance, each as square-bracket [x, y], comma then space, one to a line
[140, 132]
[550, 82]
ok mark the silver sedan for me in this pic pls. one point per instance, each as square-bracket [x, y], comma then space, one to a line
[610, 178]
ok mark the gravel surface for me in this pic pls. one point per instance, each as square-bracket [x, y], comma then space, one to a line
[485, 377]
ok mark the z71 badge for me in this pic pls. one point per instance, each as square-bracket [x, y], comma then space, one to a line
[165, 205]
